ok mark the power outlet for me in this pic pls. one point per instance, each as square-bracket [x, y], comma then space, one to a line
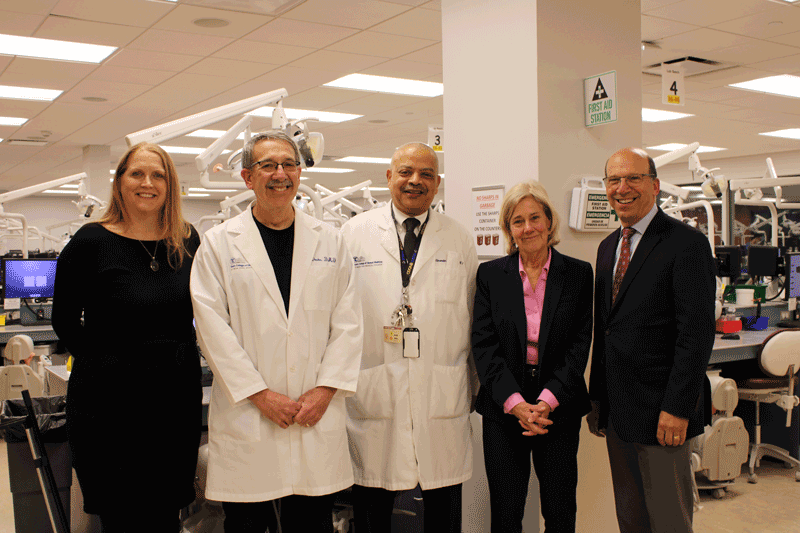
[785, 315]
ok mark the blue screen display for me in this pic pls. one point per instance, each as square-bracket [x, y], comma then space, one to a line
[29, 278]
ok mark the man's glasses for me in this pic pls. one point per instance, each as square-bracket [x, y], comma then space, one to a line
[632, 180]
[270, 167]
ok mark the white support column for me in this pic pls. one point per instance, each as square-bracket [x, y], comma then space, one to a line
[96, 164]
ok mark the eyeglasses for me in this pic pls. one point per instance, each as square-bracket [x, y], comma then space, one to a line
[632, 180]
[270, 167]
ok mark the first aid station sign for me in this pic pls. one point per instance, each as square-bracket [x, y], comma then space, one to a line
[600, 99]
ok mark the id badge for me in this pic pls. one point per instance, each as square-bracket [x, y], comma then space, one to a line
[392, 334]
[411, 343]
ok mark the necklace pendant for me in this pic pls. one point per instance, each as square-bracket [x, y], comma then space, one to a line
[154, 266]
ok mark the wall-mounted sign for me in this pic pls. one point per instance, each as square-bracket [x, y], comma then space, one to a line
[486, 231]
[590, 210]
[600, 99]
[436, 138]
[672, 88]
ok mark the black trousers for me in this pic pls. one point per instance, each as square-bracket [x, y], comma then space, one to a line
[298, 514]
[372, 509]
[507, 454]
[155, 518]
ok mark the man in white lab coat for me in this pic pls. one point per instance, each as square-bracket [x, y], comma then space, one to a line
[408, 423]
[279, 322]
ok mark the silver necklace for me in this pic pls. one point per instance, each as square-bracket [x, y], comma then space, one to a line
[154, 266]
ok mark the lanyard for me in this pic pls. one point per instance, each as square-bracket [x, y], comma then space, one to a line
[406, 264]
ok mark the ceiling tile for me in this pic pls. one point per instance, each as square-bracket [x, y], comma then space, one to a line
[37, 7]
[269, 53]
[171, 96]
[5, 61]
[349, 13]
[773, 21]
[179, 42]
[432, 54]
[420, 23]
[125, 12]
[380, 44]
[648, 5]
[435, 5]
[783, 65]
[61, 75]
[407, 2]
[654, 28]
[752, 51]
[130, 75]
[338, 62]
[62, 119]
[708, 12]
[148, 60]
[182, 19]
[760, 116]
[321, 98]
[400, 68]
[717, 94]
[703, 40]
[84, 31]
[115, 92]
[730, 75]
[237, 70]
[21, 108]
[23, 24]
[312, 35]
[792, 39]
[768, 102]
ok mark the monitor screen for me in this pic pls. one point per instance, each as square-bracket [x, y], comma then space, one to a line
[29, 278]
[792, 275]
[729, 262]
[762, 261]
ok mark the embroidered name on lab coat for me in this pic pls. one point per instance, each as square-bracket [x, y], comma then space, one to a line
[361, 261]
[238, 264]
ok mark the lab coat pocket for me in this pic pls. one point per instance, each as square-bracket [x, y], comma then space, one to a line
[448, 392]
[374, 397]
[239, 423]
[318, 290]
[451, 278]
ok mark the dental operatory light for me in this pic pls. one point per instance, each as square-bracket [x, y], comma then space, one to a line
[357, 159]
[28, 93]
[12, 121]
[384, 84]
[14, 45]
[658, 115]
[791, 133]
[674, 146]
[299, 114]
[782, 85]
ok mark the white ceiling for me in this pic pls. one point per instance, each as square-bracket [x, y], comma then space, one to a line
[167, 68]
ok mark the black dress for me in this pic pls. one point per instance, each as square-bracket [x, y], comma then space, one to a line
[134, 395]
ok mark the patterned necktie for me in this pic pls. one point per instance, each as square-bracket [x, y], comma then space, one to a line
[623, 262]
[410, 240]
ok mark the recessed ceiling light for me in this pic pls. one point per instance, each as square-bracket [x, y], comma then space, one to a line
[384, 84]
[60, 191]
[783, 85]
[658, 115]
[211, 23]
[356, 159]
[791, 133]
[15, 45]
[674, 146]
[203, 189]
[378, 121]
[299, 114]
[329, 170]
[26, 142]
[28, 93]
[12, 121]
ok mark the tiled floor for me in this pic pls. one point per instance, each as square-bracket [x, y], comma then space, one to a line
[770, 506]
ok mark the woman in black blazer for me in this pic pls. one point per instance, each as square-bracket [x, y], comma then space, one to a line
[531, 332]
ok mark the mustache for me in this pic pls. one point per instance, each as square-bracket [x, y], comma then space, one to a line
[417, 190]
[279, 183]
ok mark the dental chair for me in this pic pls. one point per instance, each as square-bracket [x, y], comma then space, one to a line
[16, 376]
[779, 361]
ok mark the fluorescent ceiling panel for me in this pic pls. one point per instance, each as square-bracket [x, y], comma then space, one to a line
[60, 191]
[384, 84]
[299, 114]
[187, 150]
[328, 170]
[783, 85]
[14, 45]
[674, 146]
[791, 133]
[357, 159]
[197, 195]
[12, 121]
[657, 115]
[211, 134]
[28, 93]
[202, 189]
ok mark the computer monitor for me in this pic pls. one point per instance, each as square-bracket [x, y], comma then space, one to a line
[729, 262]
[792, 263]
[762, 261]
[29, 278]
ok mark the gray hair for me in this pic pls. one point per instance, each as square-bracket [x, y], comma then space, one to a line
[269, 135]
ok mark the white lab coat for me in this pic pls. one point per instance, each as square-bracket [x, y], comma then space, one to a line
[250, 344]
[408, 422]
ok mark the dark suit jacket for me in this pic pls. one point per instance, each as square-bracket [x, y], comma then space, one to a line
[499, 334]
[652, 347]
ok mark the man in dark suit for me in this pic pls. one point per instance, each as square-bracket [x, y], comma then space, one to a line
[654, 331]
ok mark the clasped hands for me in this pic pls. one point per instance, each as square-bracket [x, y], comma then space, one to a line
[282, 410]
[533, 418]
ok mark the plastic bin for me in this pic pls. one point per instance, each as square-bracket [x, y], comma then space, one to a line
[30, 512]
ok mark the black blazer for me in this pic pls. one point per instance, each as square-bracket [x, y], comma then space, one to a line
[499, 334]
[651, 349]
